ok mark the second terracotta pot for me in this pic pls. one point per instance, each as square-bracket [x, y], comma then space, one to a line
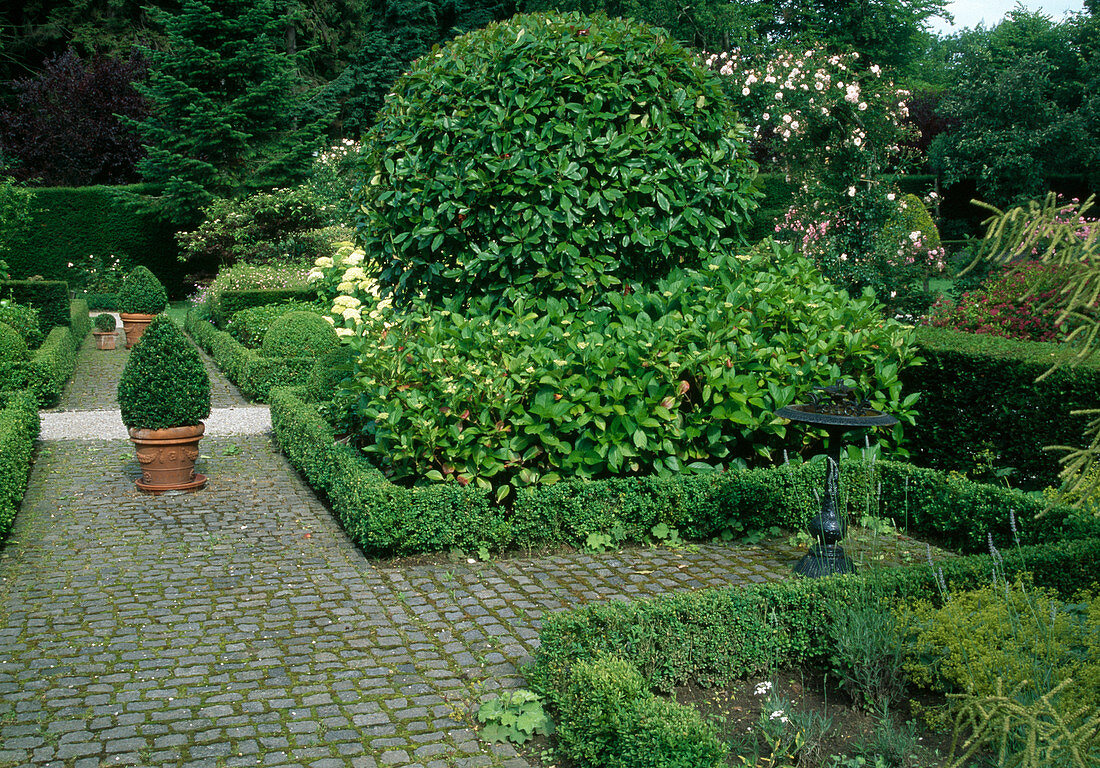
[134, 325]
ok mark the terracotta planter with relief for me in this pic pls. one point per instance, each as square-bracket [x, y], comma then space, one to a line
[134, 325]
[167, 458]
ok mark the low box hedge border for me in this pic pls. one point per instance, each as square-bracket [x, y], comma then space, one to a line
[385, 519]
[231, 302]
[254, 374]
[19, 425]
[51, 365]
[716, 637]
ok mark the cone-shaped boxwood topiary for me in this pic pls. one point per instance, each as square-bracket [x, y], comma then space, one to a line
[164, 383]
[300, 334]
[12, 347]
[142, 293]
[551, 154]
[105, 322]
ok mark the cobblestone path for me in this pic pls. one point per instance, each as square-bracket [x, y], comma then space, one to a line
[239, 626]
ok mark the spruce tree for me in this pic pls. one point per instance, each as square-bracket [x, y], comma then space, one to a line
[224, 103]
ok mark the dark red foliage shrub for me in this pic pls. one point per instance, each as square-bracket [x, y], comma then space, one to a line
[927, 121]
[1018, 302]
[64, 129]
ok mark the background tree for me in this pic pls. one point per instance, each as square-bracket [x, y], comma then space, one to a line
[1019, 106]
[225, 102]
[883, 32]
[397, 33]
[65, 127]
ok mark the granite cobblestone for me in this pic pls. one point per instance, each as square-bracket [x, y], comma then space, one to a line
[239, 626]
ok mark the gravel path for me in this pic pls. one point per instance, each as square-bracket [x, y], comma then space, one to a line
[238, 625]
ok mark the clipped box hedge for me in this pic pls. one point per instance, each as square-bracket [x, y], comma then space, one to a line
[19, 426]
[254, 374]
[51, 365]
[231, 302]
[49, 297]
[386, 519]
[719, 636]
[978, 392]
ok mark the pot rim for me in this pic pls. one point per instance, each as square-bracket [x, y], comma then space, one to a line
[167, 433]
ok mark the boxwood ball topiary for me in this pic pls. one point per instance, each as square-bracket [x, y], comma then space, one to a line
[551, 154]
[300, 334]
[12, 347]
[142, 293]
[164, 383]
[105, 322]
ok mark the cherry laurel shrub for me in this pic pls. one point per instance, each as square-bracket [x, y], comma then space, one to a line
[551, 154]
[164, 383]
[142, 293]
[684, 376]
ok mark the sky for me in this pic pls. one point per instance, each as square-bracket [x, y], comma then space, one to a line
[968, 13]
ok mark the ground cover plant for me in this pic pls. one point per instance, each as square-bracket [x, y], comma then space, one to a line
[1019, 302]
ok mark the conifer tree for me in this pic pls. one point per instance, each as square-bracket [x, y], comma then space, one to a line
[224, 105]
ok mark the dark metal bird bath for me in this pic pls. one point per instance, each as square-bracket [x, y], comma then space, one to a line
[837, 410]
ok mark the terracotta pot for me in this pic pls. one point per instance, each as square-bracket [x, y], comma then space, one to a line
[167, 458]
[105, 339]
[134, 325]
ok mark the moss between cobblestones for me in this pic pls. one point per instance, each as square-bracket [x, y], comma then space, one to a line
[386, 519]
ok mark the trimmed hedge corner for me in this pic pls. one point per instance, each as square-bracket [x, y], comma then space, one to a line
[386, 519]
[979, 397]
[19, 426]
[623, 650]
[51, 364]
[254, 374]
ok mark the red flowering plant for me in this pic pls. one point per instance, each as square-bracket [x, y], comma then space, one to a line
[1018, 302]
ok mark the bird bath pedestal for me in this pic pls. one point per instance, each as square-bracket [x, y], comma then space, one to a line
[837, 410]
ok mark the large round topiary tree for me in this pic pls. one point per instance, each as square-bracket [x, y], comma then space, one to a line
[553, 154]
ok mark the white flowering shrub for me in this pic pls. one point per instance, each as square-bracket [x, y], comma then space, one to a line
[819, 117]
[331, 179]
[834, 127]
[350, 293]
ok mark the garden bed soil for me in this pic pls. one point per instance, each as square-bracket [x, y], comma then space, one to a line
[735, 713]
